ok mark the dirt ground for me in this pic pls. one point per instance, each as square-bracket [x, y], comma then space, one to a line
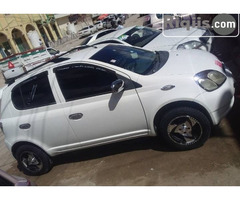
[145, 161]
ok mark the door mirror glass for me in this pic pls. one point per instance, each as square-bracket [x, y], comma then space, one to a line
[117, 86]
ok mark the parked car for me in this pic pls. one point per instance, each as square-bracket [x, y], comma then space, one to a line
[95, 36]
[107, 22]
[156, 40]
[109, 93]
[9, 180]
[99, 25]
[88, 30]
[153, 21]
[157, 20]
[54, 52]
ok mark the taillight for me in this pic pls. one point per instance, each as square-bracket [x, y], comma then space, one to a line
[10, 65]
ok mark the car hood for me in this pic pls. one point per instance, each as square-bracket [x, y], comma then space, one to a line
[188, 62]
[171, 38]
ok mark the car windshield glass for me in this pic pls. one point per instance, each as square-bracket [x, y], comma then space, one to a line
[85, 41]
[136, 60]
[52, 51]
[85, 28]
[139, 36]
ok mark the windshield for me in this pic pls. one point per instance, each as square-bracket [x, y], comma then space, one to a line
[52, 51]
[85, 28]
[139, 36]
[85, 41]
[136, 60]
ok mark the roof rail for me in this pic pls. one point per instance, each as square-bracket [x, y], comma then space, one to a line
[55, 59]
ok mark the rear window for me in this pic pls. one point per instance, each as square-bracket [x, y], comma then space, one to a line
[33, 92]
[105, 33]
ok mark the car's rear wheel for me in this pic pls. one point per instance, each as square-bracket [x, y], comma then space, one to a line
[185, 128]
[32, 160]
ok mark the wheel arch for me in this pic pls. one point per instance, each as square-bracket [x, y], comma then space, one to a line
[20, 143]
[177, 104]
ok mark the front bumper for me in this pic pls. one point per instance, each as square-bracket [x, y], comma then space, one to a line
[220, 113]
[218, 102]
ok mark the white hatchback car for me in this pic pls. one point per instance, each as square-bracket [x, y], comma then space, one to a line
[108, 93]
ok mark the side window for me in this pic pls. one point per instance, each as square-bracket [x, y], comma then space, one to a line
[33, 92]
[82, 81]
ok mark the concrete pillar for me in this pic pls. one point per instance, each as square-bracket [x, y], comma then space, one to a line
[28, 41]
[53, 32]
[46, 32]
[13, 46]
[59, 32]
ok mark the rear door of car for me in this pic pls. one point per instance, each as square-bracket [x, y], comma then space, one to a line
[37, 116]
[95, 114]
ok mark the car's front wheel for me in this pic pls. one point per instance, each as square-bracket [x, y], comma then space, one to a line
[32, 160]
[184, 128]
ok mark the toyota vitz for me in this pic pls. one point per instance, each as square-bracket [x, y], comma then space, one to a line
[108, 93]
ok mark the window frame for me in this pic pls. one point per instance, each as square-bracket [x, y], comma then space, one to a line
[24, 108]
[63, 99]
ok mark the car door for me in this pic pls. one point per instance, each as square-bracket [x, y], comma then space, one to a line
[95, 113]
[39, 118]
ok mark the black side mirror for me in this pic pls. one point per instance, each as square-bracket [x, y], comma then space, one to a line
[117, 86]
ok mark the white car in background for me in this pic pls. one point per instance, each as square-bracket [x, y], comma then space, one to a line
[109, 93]
[98, 25]
[96, 36]
[157, 40]
[88, 30]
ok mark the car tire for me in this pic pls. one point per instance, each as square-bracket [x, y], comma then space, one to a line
[184, 128]
[32, 160]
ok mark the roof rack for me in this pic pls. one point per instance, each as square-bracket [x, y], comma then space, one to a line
[56, 59]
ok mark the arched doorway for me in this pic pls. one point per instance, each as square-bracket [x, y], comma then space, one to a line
[5, 47]
[20, 40]
[30, 27]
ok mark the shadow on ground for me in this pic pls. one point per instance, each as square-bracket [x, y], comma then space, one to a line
[145, 143]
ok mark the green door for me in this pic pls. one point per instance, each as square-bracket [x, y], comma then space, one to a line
[20, 45]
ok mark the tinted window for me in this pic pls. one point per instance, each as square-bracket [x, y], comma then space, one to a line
[84, 42]
[52, 51]
[105, 33]
[33, 92]
[139, 36]
[136, 60]
[159, 16]
[82, 80]
[85, 28]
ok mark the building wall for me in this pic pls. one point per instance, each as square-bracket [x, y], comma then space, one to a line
[14, 28]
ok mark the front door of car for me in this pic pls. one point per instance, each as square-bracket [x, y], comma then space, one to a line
[95, 113]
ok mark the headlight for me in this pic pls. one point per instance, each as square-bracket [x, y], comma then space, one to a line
[193, 45]
[210, 80]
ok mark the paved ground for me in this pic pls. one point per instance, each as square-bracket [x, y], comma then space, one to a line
[146, 161]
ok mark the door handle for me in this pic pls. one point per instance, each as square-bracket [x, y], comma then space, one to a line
[75, 116]
[24, 126]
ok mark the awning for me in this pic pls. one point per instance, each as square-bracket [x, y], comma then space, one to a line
[102, 16]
